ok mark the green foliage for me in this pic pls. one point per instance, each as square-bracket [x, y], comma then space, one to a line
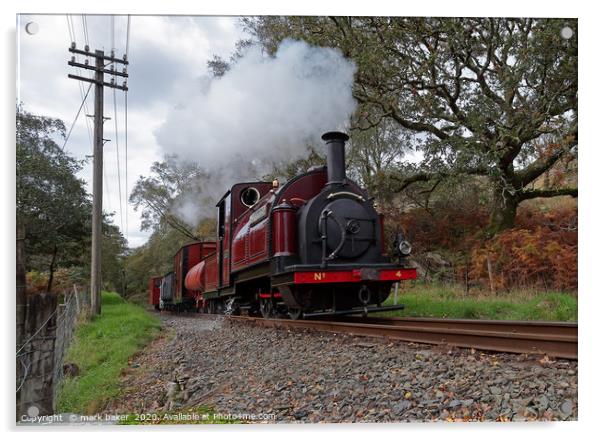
[52, 204]
[154, 258]
[101, 349]
[113, 253]
[156, 195]
[446, 301]
[55, 209]
[373, 153]
[64, 279]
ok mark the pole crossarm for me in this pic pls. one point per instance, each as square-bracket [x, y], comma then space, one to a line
[90, 80]
[89, 67]
[104, 57]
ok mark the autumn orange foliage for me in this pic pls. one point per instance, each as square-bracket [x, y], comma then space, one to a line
[38, 281]
[450, 227]
[539, 252]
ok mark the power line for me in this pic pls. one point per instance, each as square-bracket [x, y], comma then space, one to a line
[112, 27]
[118, 164]
[71, 38]
[126, 164]
[85, 27]
[112, 32]
[77, 116]
[105, 182]
[127, 38]
[127, 49]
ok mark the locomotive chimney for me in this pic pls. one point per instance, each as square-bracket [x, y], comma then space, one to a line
[335, 156]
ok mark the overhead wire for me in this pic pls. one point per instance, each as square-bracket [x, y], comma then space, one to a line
[84, 94]
[116, 128]
[76, 117]
[81, 86]
[85, 27]
[71, 39]
[127, 57]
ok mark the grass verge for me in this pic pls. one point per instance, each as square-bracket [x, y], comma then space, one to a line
[441, 301]
[101, 349]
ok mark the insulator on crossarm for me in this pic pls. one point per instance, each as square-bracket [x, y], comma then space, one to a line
[124, 70]
[73, 59]
[125, 57]
[112, 54]
[86, 61]
[125, 84]
[73, 45]
[112, 80]
[87, 48]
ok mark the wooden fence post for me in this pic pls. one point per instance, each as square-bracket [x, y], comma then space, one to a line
[490, 271]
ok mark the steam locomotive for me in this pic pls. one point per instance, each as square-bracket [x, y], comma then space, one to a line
[311, 247]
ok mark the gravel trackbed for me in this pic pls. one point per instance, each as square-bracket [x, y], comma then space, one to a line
[274, 376]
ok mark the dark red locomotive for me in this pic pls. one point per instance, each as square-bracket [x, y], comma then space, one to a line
[311, 247]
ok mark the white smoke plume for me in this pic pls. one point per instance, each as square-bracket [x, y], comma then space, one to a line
[264, 111]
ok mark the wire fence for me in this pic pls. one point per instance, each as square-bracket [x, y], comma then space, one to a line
[50, 322]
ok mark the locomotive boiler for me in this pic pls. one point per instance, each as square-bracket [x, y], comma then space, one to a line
[313, 246]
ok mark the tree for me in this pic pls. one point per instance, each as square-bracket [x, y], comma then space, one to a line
[373, 153]
[478, 94]
[54, 208]
[52, 204]
[114, 251]
[156, 195]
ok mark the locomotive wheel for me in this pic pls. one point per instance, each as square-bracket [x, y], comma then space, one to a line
[231, 307]
[216, 307]
[266, 307]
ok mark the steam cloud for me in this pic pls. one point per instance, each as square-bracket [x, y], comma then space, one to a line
[261, 113]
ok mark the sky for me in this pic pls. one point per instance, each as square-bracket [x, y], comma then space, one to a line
[164, 53]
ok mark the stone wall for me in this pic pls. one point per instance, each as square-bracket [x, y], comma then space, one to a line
[50, 321]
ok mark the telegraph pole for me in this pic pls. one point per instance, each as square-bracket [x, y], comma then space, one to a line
[100, 62]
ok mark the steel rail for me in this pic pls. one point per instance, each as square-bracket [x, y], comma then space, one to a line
[556, 339]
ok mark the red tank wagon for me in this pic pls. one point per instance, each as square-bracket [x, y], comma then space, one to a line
[185, 259]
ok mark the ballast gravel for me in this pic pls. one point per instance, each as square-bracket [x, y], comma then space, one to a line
[259, 375]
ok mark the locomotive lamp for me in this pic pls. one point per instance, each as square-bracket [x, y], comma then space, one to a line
[405, 248]
[401, 247]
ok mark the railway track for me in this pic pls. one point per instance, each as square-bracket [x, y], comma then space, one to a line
[557, 339]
